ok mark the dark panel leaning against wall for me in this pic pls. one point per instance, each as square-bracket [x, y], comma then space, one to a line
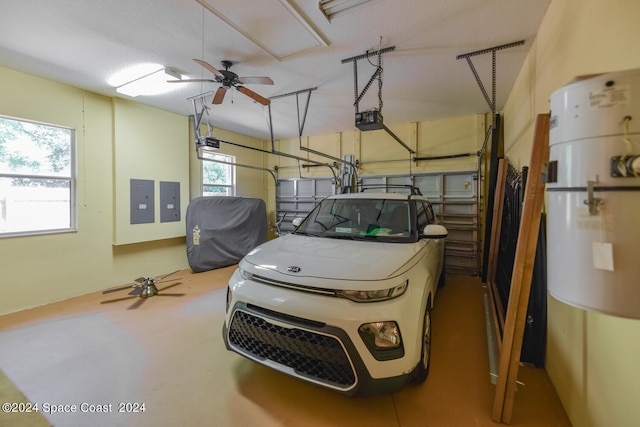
[534, 341]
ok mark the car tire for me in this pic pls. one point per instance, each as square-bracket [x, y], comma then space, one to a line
[421, 371]
[442, 280]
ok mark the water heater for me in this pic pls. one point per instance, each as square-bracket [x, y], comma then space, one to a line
[593, 233]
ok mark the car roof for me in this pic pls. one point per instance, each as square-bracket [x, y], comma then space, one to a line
[376, 195]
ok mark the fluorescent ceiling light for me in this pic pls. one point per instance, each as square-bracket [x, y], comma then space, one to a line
[304, 22]
[331, 8]
[133, 72]
[294, 32]
[154, 83]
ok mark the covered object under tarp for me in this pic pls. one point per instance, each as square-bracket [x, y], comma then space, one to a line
[221, 230]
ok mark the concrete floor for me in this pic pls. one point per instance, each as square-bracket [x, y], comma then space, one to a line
[166, 352]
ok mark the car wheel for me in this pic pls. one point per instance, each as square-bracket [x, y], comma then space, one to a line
[443, 278]
[421, 371]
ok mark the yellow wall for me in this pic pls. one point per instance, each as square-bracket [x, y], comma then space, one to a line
[111, 137]
[249, 182]
[592, 359]
[379, 153]
[148, 144]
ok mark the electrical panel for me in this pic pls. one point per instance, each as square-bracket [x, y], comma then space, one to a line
[142, 201]
[169, 201]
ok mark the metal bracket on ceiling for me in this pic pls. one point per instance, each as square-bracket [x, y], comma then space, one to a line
[306, 108]
[301, 122]
[198, 114]
[491, 102]
[377, 74]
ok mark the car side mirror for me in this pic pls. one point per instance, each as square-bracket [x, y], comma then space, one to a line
[435, 231]
[296, 222]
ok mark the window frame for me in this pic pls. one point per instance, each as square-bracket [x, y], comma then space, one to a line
[230, 161]
[71, 179]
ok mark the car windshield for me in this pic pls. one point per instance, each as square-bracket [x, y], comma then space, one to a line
[360, 219]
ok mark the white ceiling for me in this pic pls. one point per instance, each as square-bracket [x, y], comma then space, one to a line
[84, 42]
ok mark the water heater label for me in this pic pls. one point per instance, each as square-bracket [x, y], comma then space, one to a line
[614, 96]
[602, 256]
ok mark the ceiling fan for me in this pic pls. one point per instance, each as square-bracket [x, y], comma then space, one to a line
[144, 287]
[229, 79]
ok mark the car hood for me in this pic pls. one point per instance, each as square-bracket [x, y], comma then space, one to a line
[326, 258]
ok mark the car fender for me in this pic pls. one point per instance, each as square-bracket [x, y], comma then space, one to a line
[428, 287]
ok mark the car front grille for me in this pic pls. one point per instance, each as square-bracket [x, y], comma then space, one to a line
[313, 356]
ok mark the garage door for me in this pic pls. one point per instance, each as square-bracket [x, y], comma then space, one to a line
[297, 197]
[454, 196]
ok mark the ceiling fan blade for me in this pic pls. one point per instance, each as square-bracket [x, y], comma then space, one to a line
[255, 80]
[219, 96]
[140, 279]
[209, 67]
[253, 95]
[192, 81]
[121, 288]
[137, 291]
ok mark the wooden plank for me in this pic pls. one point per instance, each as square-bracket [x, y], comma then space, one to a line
[499, 308]
[497, 312]
[522, 273]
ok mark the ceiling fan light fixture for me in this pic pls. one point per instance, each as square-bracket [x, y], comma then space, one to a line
[154, 83]
[331, 8]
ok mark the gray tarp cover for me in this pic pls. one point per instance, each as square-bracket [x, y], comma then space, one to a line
[222, 230]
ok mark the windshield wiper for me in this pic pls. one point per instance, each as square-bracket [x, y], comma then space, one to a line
[348, 237]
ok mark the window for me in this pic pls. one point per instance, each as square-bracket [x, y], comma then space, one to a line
[425, 215]
[218, 175]
[37, 178]
[356, 218]
[422, 217]
[431, 217]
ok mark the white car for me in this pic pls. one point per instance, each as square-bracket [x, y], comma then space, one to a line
[345, 300]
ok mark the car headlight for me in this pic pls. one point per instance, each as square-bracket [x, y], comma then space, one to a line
[382, 339]
[372, 296]
[245, 274]
[382, 335]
